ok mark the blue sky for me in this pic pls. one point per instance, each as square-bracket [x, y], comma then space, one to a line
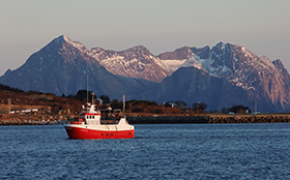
[262, 26]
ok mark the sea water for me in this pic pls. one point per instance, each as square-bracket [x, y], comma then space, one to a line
[171, 151]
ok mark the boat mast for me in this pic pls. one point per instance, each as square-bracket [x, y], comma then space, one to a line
[124, 105]
[256, 107]
[87, 88]
[93, 94]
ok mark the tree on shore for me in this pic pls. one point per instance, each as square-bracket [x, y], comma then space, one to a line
[199, 107]
[106, 99]
[8, 88]
[82, 95]
[180, 103]
[241, 109]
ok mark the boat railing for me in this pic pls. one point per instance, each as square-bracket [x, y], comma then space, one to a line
[110, 121]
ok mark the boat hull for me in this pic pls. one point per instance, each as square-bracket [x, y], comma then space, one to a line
[87, 133]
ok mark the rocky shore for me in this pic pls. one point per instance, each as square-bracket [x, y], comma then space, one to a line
[250, 119]
[32, 122]
[168, 120]
[208, 119]
[62, 119]
[35, 119]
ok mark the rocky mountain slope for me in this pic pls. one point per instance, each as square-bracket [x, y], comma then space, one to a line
[61, 67]
[265, 82]
[221, 76]
[136, 62]
[192, 85]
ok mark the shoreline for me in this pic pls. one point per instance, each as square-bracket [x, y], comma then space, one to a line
[210, 119]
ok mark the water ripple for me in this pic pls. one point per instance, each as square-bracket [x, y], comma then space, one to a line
[188, 151]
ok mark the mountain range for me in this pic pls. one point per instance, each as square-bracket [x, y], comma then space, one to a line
[222, 76]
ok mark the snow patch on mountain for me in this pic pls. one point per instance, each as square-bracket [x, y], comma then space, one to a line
[192, 62]
[238, 81]
[207, 64]
[77, 45]
[170, 65]
[113, 63]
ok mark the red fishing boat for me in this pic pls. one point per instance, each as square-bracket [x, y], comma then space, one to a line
[90, 126]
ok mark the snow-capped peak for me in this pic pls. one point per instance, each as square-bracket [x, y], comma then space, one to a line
[76, 44]
[66, 39]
